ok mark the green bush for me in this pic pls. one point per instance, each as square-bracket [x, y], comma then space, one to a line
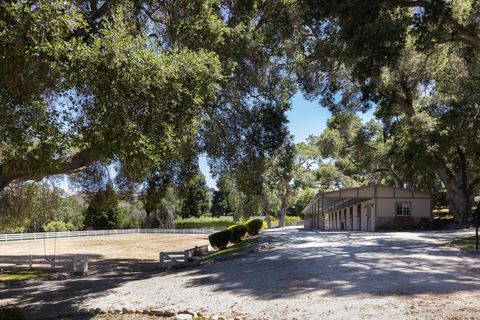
[254, 226]
[238, 232]
[293, 218]
[58, 226]
[220, 239]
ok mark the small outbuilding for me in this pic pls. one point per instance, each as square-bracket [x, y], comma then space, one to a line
[369, 208]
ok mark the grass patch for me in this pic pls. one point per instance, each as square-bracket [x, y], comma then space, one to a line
[22, 275]
[467, 243]
[203, 222]
[221, 222]
[241, 246]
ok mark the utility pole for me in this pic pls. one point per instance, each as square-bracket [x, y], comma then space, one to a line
[476, 229]
[477, 213]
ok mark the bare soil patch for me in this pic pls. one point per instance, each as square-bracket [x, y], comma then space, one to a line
[104, 250]
[304, 275]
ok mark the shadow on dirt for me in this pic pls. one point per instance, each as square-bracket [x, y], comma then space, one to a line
[49, 298]
[341, 263]
[301, 262]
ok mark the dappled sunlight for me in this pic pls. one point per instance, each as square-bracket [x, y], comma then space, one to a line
[344, 264]
[301, 266]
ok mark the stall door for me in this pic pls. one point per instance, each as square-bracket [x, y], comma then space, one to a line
[359, 217]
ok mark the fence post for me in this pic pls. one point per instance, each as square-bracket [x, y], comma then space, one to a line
[162, 259]
[74, 263]
[85, 265]
[30, 262]
[53, 263]
[185, 256]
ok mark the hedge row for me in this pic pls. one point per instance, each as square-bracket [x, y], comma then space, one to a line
[235, 233]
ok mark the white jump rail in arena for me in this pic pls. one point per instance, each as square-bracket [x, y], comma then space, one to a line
[6, 237]
[73, 263]
[168, 258]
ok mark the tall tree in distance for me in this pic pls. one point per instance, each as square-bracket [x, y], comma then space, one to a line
[224, 201]
[102, 211]
[195, 196]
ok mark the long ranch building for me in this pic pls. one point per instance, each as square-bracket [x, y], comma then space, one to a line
[369, 208]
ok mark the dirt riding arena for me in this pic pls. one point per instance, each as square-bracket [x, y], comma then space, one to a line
[302, 275]
[110, 251]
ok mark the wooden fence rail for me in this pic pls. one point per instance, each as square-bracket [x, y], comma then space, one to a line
[169, 258]
[73, 263]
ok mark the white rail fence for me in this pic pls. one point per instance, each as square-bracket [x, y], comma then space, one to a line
[71, 263]
[89, 233]
[168, 258]
[289, 223]
[6, 237]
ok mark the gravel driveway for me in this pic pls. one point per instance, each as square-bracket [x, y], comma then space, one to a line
[306, 275]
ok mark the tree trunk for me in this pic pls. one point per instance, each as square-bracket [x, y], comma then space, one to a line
[266, 210]
[281, 217]
[394, 175]
[285, 200]
[458, 195]
[170, 220]
[456, 184]
[68, 165]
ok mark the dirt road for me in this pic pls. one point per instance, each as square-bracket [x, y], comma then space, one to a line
[306, 275]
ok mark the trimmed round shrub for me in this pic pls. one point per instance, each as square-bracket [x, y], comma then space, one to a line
[238, 232]
[220, 239]
[254, 226]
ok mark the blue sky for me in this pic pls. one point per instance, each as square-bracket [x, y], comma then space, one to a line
[304, 119]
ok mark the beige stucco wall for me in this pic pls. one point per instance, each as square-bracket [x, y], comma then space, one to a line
[384, 192]
[381, 208]
[420, 208]
[367, 192]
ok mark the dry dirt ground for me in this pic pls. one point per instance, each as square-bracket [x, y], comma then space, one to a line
[306, 275]
[106, 252]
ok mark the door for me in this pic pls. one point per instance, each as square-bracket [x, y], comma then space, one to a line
[369, 216]
[351, 218]
[359, 217]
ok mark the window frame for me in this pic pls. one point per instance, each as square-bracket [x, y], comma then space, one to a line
[408, 205]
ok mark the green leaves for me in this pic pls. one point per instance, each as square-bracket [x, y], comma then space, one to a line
[100, 89]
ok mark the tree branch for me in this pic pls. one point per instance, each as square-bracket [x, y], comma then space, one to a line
[69, 165]
[100, 12]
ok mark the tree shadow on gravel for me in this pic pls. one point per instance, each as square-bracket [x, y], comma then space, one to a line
[50, 298]
[341, 264]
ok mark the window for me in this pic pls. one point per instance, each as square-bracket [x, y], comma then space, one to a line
[402, 208]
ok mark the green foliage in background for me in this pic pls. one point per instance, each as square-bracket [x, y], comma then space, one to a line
[58, 226]
[103, 210]
[28, 206]
[196, 198]
[203, 222]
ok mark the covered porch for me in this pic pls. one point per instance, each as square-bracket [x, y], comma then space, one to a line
[341, 210]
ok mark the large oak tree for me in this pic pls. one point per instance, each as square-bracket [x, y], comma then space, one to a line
[127, 82]
[416, 63]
